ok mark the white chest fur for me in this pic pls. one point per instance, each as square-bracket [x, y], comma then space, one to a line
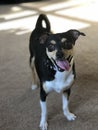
[62, 81]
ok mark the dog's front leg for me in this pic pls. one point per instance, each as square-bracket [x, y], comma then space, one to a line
[43, 122]
[65, 96]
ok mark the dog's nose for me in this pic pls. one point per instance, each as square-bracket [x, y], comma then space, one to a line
[59, 54]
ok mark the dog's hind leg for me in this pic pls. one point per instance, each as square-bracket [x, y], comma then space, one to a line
[35, 80]
[70, 116]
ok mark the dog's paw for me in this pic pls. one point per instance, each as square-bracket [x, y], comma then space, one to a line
[43, 126]
[70, 116]
[34, 86]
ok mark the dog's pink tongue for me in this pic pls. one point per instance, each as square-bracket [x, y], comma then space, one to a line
[63, 64]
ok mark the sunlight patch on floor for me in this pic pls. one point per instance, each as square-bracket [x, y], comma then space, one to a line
[19, 14]
[63, 15]
[86, 12]
[24, 25]
[64, 4]
[63, 24]
[16, 8]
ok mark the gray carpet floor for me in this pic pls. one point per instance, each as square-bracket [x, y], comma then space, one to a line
[19, 105]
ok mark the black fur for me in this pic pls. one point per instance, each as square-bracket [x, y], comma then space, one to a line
[40, 39]
[37, 50]
[43, 94]
[52, 57]
[44, 67]
[68, 92]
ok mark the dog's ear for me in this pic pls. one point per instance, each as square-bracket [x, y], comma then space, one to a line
[43, 38]
[74, 34]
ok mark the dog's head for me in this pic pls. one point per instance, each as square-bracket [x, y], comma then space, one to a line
[59, 47]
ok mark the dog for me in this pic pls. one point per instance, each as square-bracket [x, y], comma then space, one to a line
[52, 63]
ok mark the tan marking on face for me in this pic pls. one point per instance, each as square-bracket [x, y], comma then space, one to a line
[68, 52]
[63, 39]
[51, 54]
[53, 42]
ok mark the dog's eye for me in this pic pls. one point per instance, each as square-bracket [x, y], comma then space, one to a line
[51, 47]
[67, 45]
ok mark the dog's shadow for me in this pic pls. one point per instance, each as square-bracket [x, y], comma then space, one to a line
[54, 105]
[83, 93]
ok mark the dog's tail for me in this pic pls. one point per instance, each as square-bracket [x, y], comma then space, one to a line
[39, 24]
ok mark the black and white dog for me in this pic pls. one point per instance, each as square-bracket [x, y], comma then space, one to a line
[52, 64]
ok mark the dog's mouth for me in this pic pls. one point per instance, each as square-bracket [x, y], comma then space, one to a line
[62, 65]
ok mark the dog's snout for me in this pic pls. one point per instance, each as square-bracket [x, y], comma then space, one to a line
[59, 54]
